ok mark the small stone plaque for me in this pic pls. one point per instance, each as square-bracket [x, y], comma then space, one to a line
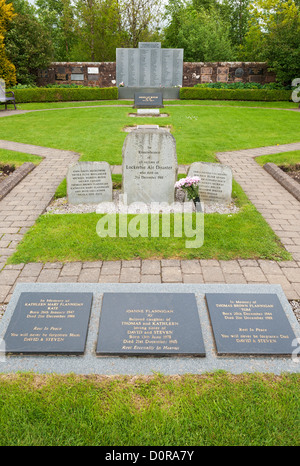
[216, 181]
[150, 324]
[77, 69]
[249, 324]
[258, 71]
[93, 70]
[49, 323]
[147, 100]
[77, 77]
[61, 77]
[239, 72]
[89, 183]
[93, 77]
[149, 45]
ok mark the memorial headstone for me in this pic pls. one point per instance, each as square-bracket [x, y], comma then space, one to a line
[246, 323]
[216, 181]
[89, 183]
[148, 100]
[149, 166]
[154, 324]
[48, 323]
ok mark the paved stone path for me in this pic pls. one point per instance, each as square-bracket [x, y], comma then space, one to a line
[21, 207]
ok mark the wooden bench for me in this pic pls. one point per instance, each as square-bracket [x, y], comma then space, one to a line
[8, 99]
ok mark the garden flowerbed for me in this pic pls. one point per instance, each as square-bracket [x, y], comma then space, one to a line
[5, 171]
[292, 170]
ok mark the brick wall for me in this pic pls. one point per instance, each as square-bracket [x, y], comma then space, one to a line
[104, 74]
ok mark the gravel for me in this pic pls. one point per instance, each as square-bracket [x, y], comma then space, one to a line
[295, 305]
[61, 206]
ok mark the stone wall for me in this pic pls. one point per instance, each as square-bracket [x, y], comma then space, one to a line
[104, 74]
[94, 74]
[249, 72]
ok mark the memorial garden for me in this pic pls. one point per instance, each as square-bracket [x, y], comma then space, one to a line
[149, 233]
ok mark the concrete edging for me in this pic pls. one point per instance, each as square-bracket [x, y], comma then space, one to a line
[12, 180]
[287, 182]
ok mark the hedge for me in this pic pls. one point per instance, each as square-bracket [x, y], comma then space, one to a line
[268, 95]
[41, 94]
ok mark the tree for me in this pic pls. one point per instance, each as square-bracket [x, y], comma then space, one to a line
[274, 36]
[141, 20]
[238, 14]
[203, 35]
[58, 16]
[28, 43]
[7, 69]
[283, 46]
[98, 30]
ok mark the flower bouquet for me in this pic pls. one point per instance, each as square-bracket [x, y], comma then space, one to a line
[121, 84]
[191, 186]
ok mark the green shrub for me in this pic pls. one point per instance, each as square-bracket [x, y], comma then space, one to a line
[241, 85]
[268, 95]
[41, 94]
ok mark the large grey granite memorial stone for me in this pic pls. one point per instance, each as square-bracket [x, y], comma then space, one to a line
[149, 166]
[149, 67]
[216, 181]
[89, 183]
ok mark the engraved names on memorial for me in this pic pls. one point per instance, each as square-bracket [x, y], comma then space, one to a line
[216, 181]
[89, 183]
[158, 324]
[149, 66]
[49, 323]
[249, 324]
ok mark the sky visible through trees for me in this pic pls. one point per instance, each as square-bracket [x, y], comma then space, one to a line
[42, 31]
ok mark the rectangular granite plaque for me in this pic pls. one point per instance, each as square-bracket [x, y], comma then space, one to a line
[49, 323]
[150, 324]
[249, 324]
[148, 100]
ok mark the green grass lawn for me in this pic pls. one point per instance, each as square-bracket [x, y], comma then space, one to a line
[200, 131]
[215, 409]
[94, 103]
[8, 157]
[72, 237]
[285, 158]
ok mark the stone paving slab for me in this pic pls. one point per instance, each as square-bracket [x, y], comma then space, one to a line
[20, 208]
[279, 207]
[158, 271]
